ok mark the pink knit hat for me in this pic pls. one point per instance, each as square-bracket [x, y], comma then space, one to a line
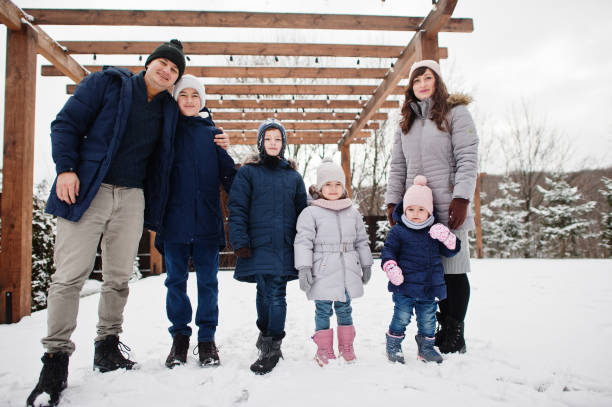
[419, 194]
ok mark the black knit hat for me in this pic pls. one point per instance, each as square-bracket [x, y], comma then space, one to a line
[172, 51]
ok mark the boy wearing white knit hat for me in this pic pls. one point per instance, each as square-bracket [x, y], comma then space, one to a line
[334, 260]
[411, 260]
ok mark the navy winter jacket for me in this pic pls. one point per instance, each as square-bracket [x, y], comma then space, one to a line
[264, 206]
[193, 211]
[418, 255]
[87, 133]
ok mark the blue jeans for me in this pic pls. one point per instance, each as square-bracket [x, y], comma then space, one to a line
[402, 311]
[323, 312]
[178, 307]
[271, 304]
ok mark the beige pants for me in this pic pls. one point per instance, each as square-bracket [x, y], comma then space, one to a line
[116, 214]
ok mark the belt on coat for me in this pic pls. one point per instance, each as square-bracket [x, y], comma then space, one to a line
[334, 248]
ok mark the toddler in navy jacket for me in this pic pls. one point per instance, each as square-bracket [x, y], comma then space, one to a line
[411, 260]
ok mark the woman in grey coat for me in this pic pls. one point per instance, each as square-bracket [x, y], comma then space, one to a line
[334, 260]
[437, 138]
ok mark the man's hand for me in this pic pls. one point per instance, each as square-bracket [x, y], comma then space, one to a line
[67, 187]
[222, 140]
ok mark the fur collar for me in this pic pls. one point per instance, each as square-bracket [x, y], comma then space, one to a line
[255, 159]
[456, 99]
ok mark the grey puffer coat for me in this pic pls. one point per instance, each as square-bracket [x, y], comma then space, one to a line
[333, 242]
[448, 160]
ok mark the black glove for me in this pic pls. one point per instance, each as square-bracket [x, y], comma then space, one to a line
[390, 209]
[457, 212]
[243, 252]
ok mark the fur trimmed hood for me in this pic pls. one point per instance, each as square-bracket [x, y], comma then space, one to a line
[255, 159]
[456, 99]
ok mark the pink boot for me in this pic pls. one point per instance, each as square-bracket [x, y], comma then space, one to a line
[346, 336]
[325, 346]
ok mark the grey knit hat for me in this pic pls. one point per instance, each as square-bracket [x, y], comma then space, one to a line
[172, 51]
[427, 63]
[270, 124]
[330, 171]
[190, 81]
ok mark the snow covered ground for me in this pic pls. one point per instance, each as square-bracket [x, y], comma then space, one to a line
[539, 333]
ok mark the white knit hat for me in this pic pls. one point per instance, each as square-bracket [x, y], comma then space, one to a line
[190, 81]
[329, 171]
[427, 63]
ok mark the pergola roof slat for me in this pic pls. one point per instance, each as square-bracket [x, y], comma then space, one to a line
[293, 104]
[238, 48]
[295, 125]
[238, 19]
[291, 116]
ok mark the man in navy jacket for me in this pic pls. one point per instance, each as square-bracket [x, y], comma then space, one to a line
[112, 146]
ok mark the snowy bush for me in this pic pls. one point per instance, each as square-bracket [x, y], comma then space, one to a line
[504, 230]
[605, 239]
[382, 230]
[43, 240]
[561, 217]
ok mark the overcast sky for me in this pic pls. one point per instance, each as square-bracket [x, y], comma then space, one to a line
[552, 55]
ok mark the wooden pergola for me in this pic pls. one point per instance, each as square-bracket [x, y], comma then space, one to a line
[319, 112]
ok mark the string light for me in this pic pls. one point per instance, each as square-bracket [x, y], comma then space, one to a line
[293, 99]
[94, 56]
[231, 58]
[316, 60]
[221, 100]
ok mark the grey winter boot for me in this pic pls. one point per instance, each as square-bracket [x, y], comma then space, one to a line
[427, 353]
[268, 356]
[394, 348]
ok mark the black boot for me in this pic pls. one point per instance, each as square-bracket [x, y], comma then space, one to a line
[109, 355]
[209, 356]
[269, 355]
[53, 378]
[441, 329]
[178, 352]
[453, 339]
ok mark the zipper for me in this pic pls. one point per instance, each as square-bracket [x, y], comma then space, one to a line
[342, 260]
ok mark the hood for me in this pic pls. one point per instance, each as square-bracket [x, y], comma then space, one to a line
[255, 159]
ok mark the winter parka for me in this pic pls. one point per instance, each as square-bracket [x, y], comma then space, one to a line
[332, 241]
[264, 204]
[193, 211]
[418, 255]
[87, 132]
[449, 159]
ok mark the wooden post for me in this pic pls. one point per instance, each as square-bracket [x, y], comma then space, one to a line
[155, 259]
[477, 217]
[429, 47]
[17, 177]
[345, 157]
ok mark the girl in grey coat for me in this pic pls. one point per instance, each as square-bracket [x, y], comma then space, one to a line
[334, 260]
[437, 138]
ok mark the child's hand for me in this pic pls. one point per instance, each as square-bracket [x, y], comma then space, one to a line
[367, 273]
[443, 234]
[394, 273]
[305, 278]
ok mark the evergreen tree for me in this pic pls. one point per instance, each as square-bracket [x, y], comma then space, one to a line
[43, 240]
[606, 218]
[561, 217]
[504, 230]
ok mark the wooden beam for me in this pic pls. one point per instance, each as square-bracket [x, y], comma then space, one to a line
[331, 134]
[237, 48]
[478, 217]
[175, 18]
[10, 15]
[308, 125]
[297, 104]
[18, 175]
[345, 159]
[291, 116]
[410, 54]
[253, 72]
[239, 140]
[229, 90]
[13, 17]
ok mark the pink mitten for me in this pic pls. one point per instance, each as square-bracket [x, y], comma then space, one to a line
[394, 273]
[443, 234]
